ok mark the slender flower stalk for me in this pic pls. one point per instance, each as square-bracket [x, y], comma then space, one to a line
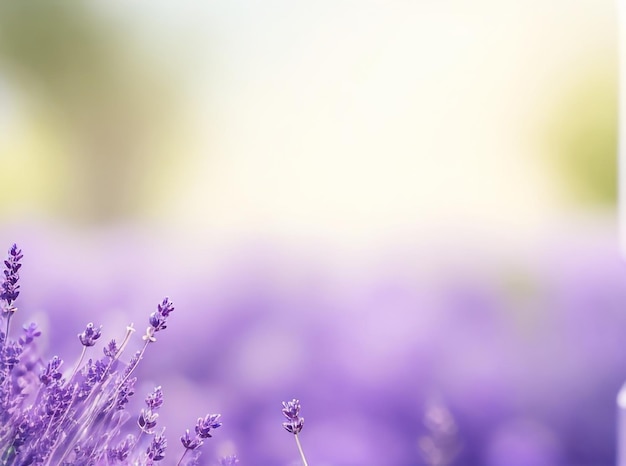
[294, 423]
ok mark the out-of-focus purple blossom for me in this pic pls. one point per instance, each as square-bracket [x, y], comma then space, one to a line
[30, 333]
[89, 336]
[441, 445]
[229, 460]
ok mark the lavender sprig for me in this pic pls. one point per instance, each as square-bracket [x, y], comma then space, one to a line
[203, 431]
[294, 424]
[156, 449]
[10, 288]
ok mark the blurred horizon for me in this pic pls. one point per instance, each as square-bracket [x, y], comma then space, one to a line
[287, 119]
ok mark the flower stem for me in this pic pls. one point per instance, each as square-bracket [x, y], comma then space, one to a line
[6, 335]
[77, 366]
[300, 450]
[131, 369]
[181, 458]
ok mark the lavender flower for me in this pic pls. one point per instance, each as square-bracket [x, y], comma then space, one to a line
[154, 400]
[158, 319]
[190, 443]
[291, 410]
[10, 288]
[147, 420]
[204, 426]
[294, 424]
[90, 335]
[156, 449]
[203, 429]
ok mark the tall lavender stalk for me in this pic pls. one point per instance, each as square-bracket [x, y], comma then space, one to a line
[294, 423]
[10, 287]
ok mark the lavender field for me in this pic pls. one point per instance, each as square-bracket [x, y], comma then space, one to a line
[473, 359]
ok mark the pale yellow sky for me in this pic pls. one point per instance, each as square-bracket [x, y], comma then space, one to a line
[352, 119]
[349, 118]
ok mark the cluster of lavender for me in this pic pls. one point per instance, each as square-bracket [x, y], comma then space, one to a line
[47, 418]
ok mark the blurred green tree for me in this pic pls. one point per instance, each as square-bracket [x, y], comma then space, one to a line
[581, 135]
[110, 104]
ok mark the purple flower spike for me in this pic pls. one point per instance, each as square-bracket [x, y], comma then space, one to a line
[121, 452]
[110, 350]
[165, 308]
[90, 335]
[291, 410]
[204, 426]
[30, 333]
[156, 450]
[190, 443]
[51, 372]
[154, 400]
[10, 288]
[158, 318]
[147, 420]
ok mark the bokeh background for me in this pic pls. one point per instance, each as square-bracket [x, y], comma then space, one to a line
[402, 213]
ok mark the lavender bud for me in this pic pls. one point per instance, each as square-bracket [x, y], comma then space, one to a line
[30, 333]
[147, 420]
[156, 450]
[51, 372]
[110, 350]
[121, 452]
[90, 335]
[291, 410]
[10, 288]
[154, 400]
[204, 426]
[125, 392]
[157, 319]
[190, 443]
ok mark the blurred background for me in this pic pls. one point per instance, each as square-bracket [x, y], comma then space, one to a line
[402, 213]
